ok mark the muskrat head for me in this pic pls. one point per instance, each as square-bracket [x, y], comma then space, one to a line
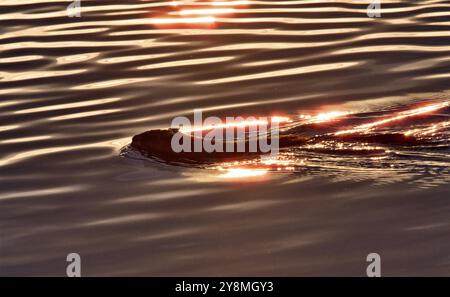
[154, 141]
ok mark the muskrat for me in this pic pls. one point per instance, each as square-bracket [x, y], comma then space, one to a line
[157, 143]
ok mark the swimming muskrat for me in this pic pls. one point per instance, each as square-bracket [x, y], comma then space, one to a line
[325, 130]
[157, 143]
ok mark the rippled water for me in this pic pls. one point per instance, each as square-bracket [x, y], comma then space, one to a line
[75, 90]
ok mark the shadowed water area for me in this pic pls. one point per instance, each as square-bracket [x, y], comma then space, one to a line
[370, 95]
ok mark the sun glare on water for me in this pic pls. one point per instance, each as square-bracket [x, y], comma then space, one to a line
[400, 116]
[323, 117]
[235, 173]
[196, 12]
[206, 11]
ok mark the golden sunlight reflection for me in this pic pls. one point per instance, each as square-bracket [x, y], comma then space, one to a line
[212, 3]
[202, 14]
[170, 21]
[234, 173]
[336, 146]
[258, 167]
[429, 130]
[324, 117]
[206, 11]
[230, 3]
[402, 115]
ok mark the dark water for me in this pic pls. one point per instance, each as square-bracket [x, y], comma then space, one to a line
[75, 90]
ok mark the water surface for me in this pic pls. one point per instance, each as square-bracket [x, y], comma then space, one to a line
[75, 90]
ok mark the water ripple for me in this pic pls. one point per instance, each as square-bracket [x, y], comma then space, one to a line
[75, 90]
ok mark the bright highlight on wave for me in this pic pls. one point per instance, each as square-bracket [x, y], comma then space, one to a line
[202, 14]
[242, 172]
[169, 21]
[430, 130]
[400, 116]
[213, 3]
[280, 119]
[257, 167]
[213, 11]
[230, 3]
[324, 117]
